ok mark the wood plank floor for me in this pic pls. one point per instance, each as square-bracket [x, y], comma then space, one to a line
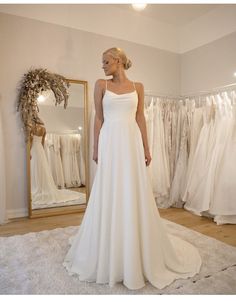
[225, 233]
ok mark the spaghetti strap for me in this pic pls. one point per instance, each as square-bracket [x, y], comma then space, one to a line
[134, 86]
[106, 84]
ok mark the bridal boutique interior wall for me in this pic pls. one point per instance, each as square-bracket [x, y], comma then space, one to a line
[209, 66]
[76, 54]
[58, 119]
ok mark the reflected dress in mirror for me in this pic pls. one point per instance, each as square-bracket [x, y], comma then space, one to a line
[43, 189]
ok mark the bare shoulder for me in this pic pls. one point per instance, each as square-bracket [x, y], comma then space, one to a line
[100, 84]
[139, 87]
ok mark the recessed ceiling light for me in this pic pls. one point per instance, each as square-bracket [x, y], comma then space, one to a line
[139, 6]
[235, 74]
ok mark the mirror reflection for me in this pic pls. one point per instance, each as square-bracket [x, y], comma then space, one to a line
[57, 151]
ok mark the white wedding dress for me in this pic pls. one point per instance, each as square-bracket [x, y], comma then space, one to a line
[52, 148]
[43, 189]
[3, 216]
[122, 237]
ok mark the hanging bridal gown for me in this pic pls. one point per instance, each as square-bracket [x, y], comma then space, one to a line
[122, 237]
[201, 201]
[223, 205]
[3, 218]
[178, 183]
[69, 160]
[159, 164]
[195, 129]
[81, 158]
[43, 189]
[52, 149]
[199, 163]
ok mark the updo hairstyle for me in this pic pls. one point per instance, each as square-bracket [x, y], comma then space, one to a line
[118, 53]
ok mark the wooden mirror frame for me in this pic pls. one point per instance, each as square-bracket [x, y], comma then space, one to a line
[70, 208]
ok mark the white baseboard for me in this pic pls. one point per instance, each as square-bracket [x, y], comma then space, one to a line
[17, 213]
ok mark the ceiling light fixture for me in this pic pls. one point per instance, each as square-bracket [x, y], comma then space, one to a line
[41, 98]
[139, 6]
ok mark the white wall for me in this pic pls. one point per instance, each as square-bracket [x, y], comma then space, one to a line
[58, 119]
[113, 21]
[209, 27]
[27, 43]
[108, 20]
[209, 66]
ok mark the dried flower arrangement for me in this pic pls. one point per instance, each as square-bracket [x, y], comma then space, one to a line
[33, 84]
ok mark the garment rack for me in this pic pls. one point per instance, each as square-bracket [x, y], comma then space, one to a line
[212, 91]
[64, 132]
[191, 95]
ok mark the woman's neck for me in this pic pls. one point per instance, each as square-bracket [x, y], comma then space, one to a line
[119, 77]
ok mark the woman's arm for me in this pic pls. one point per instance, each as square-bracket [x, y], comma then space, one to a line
[98, 120]
[141, 121]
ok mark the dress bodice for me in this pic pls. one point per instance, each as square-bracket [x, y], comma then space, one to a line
[37, 139]
[119, 107]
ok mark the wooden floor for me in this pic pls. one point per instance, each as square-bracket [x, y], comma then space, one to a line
[225, 233]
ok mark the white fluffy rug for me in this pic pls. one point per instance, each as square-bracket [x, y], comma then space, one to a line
[32, 264]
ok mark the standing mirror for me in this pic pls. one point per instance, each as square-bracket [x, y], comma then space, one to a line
[57, 154]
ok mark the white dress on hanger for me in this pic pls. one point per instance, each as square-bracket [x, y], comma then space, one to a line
[69, 160]
[195, 129]
[201, 201]
[199, 162]
[223, 205]
[174, 119]
[52, 149]
[81, 159]
[159, 164]
[122, 237]
[43, 188]
[3, 218]
[178, 184]
[166, 113]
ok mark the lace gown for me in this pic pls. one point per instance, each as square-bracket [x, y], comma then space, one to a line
[122, 237]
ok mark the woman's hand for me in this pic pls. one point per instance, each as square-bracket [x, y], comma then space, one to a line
[95, 156]
[147, 157]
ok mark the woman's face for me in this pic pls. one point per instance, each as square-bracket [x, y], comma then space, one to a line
[109, 64]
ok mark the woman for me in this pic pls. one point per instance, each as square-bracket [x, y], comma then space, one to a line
[122, 238]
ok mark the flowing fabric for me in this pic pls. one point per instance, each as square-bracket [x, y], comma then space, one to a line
[211, 186]
[178, 183]
[194, 143]
[69, 150]
[52, 149]
[3, 218]
[43, 188]
[81, 158]
[225, 181]
[122, 237]
[159, 164]
[65, 156]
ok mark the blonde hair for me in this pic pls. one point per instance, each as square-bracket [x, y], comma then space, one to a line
[118, 53]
